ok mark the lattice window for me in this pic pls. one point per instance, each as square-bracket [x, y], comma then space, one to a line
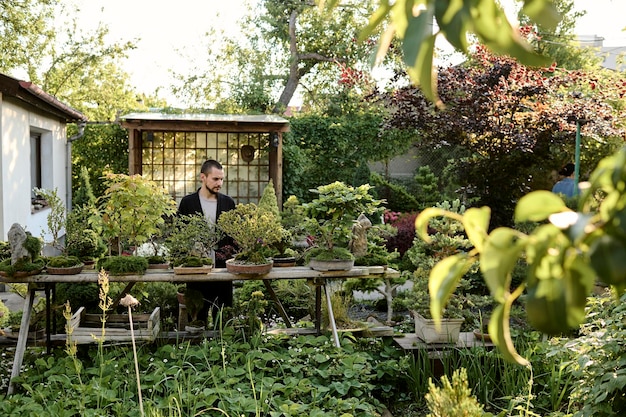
[173, 159]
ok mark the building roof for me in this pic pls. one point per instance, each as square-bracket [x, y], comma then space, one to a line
[204, 121]
[30, 93]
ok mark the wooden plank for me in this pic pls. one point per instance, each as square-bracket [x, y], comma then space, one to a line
[217, 274]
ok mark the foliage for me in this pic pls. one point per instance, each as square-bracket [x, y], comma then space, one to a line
[191, 235]
[253, 230]
[453, 398]
[132, 209]
[455, 21]
[296, 296]
[84, 196]
[593, 362]
[332, 214]
[102, 149]
[283, 376]
[82, 242]
[194, 303]
[4, 315]
[42, 40]
[516, 123]
[288, 46]
[116, 265]
[565, 255]
[5, 250]
[268, 201]
[293, 217]
[56, 216]
[338, 148]
[396, 196]
[404, 237]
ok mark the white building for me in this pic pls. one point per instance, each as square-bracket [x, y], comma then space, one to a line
[35, 152]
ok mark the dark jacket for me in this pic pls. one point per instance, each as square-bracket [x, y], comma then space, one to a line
[190, 204]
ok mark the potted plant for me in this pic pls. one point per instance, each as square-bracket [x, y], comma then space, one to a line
[190, 244]
[331, 217]
[447, 238]
[64, 265]
[25, 252]
[132, 209]
[253, 229]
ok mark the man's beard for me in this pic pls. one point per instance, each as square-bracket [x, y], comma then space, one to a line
[211, 191]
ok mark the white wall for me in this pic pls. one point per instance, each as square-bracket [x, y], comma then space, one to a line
[16, 125]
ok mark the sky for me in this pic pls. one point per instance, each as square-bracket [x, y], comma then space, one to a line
[162, 27]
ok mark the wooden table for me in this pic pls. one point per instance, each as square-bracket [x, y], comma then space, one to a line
[318, 278]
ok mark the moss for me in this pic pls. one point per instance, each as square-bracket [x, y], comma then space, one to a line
[33, 246]
[156, 259]
[123, 264]
[63, 261]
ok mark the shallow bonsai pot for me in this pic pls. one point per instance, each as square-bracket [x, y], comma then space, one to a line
[332, 265]
[285, 261]
[192, 270]
[236, 267]
[426, 329]
[71, 270]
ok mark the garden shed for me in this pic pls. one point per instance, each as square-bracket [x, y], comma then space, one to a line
[170, 148]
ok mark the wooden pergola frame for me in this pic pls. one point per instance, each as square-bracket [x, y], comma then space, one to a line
[136, 123]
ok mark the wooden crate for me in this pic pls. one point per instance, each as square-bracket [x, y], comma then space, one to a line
[87, 327]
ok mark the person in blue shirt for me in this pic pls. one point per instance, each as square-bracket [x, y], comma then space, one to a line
[567, 185]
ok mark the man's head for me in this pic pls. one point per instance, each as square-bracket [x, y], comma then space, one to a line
[567, 170]
[212, 176]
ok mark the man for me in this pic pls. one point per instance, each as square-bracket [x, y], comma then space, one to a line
[567, 185]
[209, 201]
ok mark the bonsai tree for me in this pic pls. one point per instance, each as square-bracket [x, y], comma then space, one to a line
[192, 240]
[132, 209]
[332, 214]
[253, 229]
[447, 238]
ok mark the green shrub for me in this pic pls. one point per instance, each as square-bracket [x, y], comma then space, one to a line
[453, 399]
[63, 261]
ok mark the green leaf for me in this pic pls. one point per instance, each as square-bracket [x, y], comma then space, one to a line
[494, 30]
[501, 334]
[542, 12]
[476, 224]
[422, 220]
[453, 18]
[443, 280]
[538, 205]
[375, 20]
[498, 258]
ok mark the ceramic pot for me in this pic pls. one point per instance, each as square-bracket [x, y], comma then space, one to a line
[426, 329]
[235, 267]
[332, 265]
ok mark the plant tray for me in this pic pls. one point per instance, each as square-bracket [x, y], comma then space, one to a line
[186, 270]
[87, 327]
[426, 329]
[72, 270]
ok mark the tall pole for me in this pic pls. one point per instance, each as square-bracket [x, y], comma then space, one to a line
[577, 157]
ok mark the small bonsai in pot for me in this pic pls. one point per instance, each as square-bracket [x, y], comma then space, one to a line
[63, 264]
[194, 303]
[191, 241]
[254, 230]
[132, 210]
[331, 217]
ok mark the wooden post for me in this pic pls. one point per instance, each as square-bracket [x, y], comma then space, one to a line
[22, 336]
